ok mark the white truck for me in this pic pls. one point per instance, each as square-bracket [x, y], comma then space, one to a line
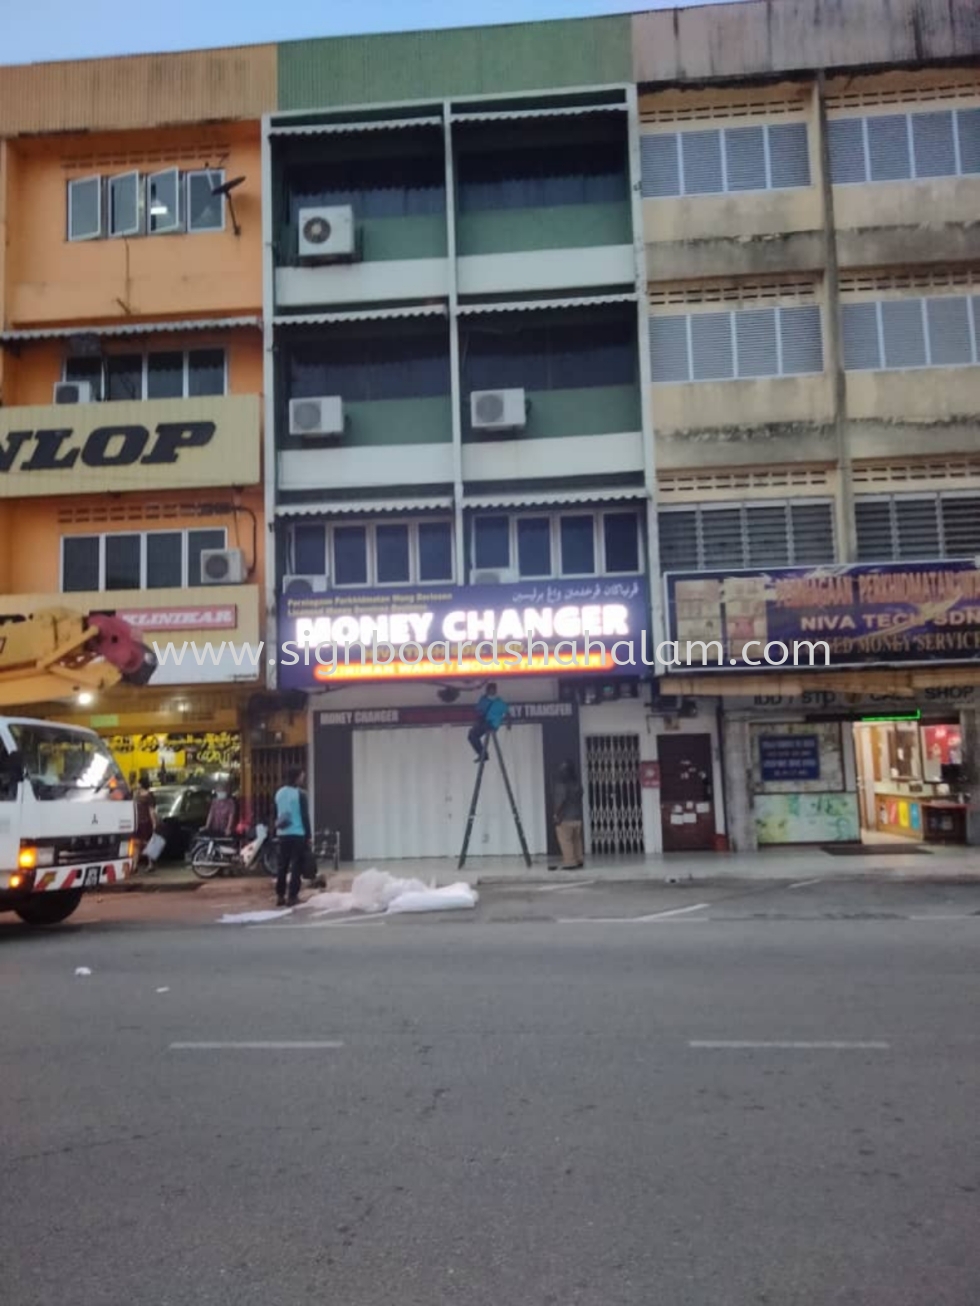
[67, 816]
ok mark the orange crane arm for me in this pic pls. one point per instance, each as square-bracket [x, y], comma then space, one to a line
[56, 653]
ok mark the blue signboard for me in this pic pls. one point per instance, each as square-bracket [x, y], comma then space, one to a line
[789, 757]
[478, 631]
[849, 615]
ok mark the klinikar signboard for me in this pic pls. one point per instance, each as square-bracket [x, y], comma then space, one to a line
[913, 612]
[482, 632]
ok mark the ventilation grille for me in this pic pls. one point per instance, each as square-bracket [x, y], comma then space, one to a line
[950, 471]
[929, 280]
[127, 512]
[929, 89]
[676, 486]
[212, 153]
[737, 293]
[706, 107]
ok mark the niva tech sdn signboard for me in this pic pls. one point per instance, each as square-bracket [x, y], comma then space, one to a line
[855, 614]
[473, 632]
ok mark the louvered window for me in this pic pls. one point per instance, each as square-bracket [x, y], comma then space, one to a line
[710, 538]
[904, 146]
[895, 334]
[743, 343]
[909, 528]
[729, 159]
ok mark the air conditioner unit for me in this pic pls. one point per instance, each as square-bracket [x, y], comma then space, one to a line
[326, 234]
[222, 566]
[498, 576]
[74, 392]
[310, 584]
[498, 410]
[312, 417]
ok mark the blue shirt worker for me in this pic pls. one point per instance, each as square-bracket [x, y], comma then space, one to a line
[490, 714]
[293, 829]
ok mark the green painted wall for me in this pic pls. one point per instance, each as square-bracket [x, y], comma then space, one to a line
[385, 238]
[571, 226]
[391, 421]
[464, 61]
[599, 410]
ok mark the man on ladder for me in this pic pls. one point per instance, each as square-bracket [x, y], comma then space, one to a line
[491, 713]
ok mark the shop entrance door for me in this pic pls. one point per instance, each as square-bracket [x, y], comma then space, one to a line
[412, 791]
[615, 796]
[687, 809]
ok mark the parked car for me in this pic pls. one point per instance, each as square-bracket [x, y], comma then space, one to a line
[182, 810]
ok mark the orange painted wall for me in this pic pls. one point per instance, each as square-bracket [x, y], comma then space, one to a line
[31, 562]
[52, 280]
[30, 378]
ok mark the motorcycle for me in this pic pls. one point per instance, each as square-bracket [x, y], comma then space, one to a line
[213, 855]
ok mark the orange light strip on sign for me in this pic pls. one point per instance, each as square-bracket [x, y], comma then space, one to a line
[468, 667]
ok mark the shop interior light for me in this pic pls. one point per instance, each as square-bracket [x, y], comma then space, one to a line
[897, 716]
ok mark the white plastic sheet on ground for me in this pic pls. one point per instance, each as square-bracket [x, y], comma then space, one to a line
[374, 892]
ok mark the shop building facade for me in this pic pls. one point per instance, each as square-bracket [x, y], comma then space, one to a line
[814, 316]
[131, 421]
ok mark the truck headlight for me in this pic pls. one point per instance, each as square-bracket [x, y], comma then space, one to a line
[127, 848]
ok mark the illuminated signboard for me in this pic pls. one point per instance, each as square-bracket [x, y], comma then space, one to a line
[479, 632]
[913, 612]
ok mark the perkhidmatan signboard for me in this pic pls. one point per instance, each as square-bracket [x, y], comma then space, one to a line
[483, 632]
[865, 614]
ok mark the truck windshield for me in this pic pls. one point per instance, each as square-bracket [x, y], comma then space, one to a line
[67, 764]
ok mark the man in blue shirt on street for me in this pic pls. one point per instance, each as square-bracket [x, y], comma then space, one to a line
[490, 714]
[293, 829]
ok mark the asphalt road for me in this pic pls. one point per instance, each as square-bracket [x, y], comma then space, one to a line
[502, 1107]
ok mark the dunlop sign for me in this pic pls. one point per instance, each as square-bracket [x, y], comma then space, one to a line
[106, 446]
[148, 445]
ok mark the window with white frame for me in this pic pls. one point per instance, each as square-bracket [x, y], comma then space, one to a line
[908, 527]
[904, 146]
[163, 374]
[138, 204]
[724, 160]
[536, 545]
[911, 332]
[710, 537]
[736, 344]
[373, 553]
[136, 560]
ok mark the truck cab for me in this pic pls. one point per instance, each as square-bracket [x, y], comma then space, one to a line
[67, 819]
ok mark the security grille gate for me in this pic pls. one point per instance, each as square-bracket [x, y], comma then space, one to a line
[615, 797]
[270, 766]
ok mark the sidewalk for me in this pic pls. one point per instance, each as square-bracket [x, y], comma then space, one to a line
[935, 862]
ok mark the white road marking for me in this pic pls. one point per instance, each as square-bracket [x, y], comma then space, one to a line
[965, 916]
[676, 911]
[564, 888]
[834, 1045]
[255, 1047]
[678, 916]
[802, 884]
[321, 925]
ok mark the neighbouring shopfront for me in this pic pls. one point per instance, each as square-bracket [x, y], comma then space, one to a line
[878, 748]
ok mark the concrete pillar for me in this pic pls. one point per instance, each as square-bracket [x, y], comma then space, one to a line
[970, 728]
[739, 812]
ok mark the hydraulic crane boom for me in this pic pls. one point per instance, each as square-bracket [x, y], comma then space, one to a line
[56, 653]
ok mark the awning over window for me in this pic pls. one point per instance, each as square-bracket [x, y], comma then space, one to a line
[134, 329]
[362, 507]
[544, 498]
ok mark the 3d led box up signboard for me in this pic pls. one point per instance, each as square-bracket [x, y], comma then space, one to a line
[481, 632]
[913, 612]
